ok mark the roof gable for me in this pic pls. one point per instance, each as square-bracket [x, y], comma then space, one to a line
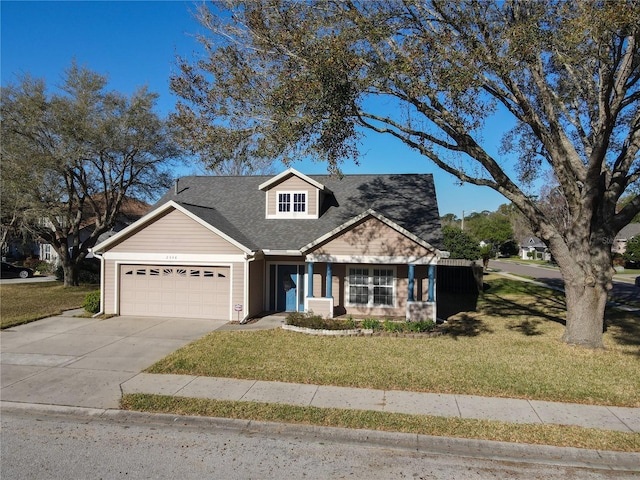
[340, 230]
[157, 214]
[284, 175]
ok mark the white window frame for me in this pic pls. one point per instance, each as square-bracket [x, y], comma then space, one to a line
[292, 204]
[370, 268]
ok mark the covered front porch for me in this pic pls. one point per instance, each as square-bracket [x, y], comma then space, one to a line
[371, 289]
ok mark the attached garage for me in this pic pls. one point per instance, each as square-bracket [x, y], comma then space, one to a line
[185, 291]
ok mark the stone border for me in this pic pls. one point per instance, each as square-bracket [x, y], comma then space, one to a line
[359, 332]
[328, 333]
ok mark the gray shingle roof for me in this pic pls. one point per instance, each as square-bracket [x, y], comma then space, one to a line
[236, 206]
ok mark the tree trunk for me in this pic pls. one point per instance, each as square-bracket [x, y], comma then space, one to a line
[588, 273]
[585, 314]
[70, 274]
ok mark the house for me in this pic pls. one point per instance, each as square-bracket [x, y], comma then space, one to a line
[237, 247]
[627, 233]
[532, 248]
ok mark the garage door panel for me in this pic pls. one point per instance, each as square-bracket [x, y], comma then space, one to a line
[181, 291]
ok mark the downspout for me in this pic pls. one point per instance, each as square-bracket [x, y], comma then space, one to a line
[98, 255]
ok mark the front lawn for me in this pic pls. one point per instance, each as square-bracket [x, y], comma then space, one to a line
[509, 347]
[26, 302]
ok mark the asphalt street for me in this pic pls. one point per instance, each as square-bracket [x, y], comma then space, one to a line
[41, 445]
[621, 292]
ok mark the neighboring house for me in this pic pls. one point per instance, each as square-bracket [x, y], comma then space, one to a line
[130, 211]
[532, 248]
[236, 247]
[627, 233]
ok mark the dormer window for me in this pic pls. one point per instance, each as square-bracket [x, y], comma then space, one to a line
[292, 201]
[293, 195]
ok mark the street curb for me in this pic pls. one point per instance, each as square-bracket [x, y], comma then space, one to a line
[481, 449]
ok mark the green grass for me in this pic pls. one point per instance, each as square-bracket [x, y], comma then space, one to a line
[25, 302]
[509, 347]
[577, 437]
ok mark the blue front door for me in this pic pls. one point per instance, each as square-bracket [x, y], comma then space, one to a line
[288, 280]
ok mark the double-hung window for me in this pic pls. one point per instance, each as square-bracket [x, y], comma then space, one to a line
[299, 202]
[284, 202]
[371, 286]
[292, 203]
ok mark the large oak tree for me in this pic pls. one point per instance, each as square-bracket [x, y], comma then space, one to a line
[71, 158]
[311, 77]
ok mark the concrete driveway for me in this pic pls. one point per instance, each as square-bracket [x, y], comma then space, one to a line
[82, 362]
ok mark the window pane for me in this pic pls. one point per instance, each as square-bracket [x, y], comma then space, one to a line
[284, 202]
[299, 202]
[383, 295]
[382, 277]
[358, 295]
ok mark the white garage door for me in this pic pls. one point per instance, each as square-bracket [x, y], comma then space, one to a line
[175, 291]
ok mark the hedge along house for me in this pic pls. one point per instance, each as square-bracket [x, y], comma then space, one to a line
[237, 247]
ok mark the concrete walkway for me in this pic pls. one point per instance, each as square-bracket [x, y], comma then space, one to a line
[444, 405]
[85, 362]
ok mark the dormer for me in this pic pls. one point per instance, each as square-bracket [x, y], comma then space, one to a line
[293, 195]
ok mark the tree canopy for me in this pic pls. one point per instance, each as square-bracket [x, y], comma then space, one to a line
[71, 158]
[460, 244]
[292, 79]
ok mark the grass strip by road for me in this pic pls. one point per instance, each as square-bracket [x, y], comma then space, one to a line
[509, 347]
[561, 436]
[25, 302]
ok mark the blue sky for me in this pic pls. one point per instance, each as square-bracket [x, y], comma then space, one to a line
[135, 43]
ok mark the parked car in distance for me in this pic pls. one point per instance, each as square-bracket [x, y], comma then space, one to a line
[638, 282]
[13, 271]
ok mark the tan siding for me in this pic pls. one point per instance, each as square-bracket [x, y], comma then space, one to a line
[377, 312]
[175, 232]
[338, 289]
[237, 288]
[422, 283]
[272, 202]
[319, 279]
[109, 286]
[372, 237]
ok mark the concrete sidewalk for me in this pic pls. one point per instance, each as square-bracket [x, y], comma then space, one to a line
[445, 405]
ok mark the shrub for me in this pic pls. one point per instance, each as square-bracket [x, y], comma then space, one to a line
[371, 324]
[393, 327]
[38, 265]
[309, 320]
[350, 323]
[420, 327]
[92, 302]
